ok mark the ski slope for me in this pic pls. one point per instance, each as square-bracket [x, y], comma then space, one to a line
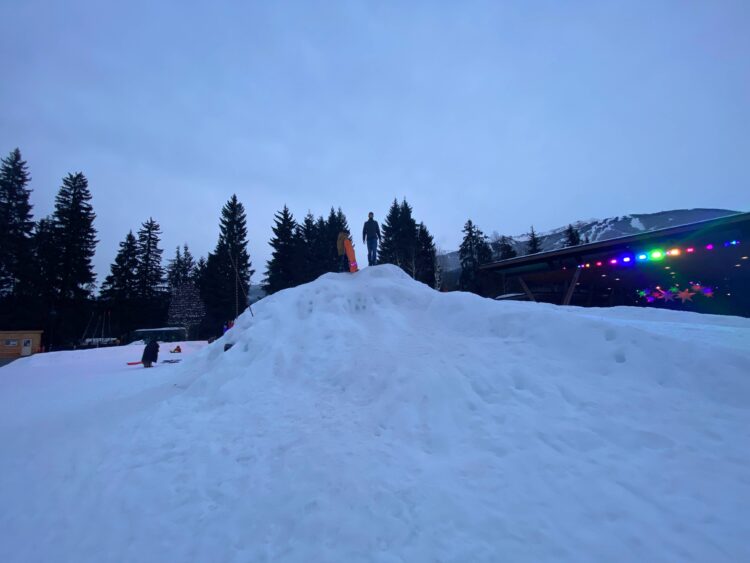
[368, 418]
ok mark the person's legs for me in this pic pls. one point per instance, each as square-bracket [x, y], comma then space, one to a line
[372, 251]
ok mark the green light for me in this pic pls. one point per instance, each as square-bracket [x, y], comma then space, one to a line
[657, 255]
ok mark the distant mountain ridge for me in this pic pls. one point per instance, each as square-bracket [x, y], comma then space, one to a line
[602, 229]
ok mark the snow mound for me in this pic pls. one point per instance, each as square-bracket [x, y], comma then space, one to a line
[370, 418]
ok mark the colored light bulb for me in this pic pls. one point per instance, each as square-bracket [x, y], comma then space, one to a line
[657, 255]
[598, 263]
[613, 261]
[674, 252]
[709, 247]
[690, 249]
[642, 257]
[626, 259]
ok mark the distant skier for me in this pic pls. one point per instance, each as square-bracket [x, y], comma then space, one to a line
[150, 353]
[371, 235]
[341, 249]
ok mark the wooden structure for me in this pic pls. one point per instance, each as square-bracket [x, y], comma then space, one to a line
[700, 266]
[18, 343]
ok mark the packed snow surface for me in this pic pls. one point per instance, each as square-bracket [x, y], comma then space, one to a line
[368, 418]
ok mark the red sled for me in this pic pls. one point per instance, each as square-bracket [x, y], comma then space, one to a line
[134, 363]
[350, 256]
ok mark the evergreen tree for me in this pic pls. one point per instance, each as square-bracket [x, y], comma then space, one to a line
[534, 245]
[181, 268]
[407, 240]
[199, 271]
[586, 239]
[75, 238]
[122, 284]
[16, 225]
[399, 241]
[282, 270]
[572, 236]
[426, 261]
[306, 235]
[149, 272]
[335, 223]
[322, 250]
[390, 232]
[226, 277]
[475, 250]
[505, 249]
[46, 261]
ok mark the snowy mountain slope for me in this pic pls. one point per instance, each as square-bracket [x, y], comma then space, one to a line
[369, 418]
[604, 229]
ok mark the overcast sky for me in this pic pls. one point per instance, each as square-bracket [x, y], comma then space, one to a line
[509, 113]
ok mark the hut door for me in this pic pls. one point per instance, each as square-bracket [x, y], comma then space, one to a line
[26, 349]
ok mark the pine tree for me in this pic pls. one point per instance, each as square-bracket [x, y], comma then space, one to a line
[475, 250]
[335, 223]
[181, 268]
[282, 270]
[46, 261]
[75, 238]
[200, 270]
[505, 249]
[572, 236]
[534, 245]
[399, 241]
[149, 272]
[407, 243]
[426, 262]
[322, 250]
[226, 277]
[16, 224]
[122, 284]
[306, 235]
[390, 232]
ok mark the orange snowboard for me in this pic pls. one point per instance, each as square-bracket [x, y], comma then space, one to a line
[350, 256]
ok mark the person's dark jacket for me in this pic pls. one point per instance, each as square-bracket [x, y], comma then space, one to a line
[371, 230]
[151, 352]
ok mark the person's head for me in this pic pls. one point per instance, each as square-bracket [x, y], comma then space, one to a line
[370, 215]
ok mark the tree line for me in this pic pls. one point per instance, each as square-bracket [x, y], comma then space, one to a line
[477, 249]
[47, 279]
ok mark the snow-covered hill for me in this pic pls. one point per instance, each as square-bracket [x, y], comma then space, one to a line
[604, 229]
[369, 418]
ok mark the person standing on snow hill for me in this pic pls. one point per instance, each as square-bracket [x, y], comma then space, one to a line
[343, 260]
[371, 235]
[150, 353]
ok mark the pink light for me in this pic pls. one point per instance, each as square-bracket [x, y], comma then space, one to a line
[613, 261]
[709, 247]
[598, 263]
[691, 249]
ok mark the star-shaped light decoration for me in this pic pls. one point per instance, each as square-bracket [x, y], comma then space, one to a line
[685, 295]
[674, 289]
[657, 295]
[644, 292]
[667, 295]
[697, 287]
[708, 291]
[650, 299]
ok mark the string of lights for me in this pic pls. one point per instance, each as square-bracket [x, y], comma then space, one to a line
[653, 255]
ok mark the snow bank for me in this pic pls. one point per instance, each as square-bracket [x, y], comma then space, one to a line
[369, 418]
